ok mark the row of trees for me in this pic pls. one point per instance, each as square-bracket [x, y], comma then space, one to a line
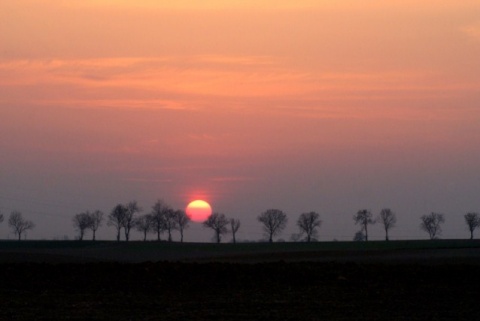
[164, 219]
[124, 217]
[431, 223]
[274, 222]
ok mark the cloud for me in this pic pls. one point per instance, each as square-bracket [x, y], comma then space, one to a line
[233, 179]
[148, 180]
[215, 84]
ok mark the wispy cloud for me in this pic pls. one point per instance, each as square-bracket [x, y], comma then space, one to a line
[213, 82]
[148, 180]
[233, 179]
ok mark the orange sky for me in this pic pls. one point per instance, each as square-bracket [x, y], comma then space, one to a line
[308, 105]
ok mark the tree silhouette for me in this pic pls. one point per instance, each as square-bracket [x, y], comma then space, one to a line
[182, 220]
[473, 222]
[159, 210]
[117, 217]
[388, 219]
[19, 224]
[274, 221]
[364, 217]
[170, 222]
[217, 222]
[1, 217]
[129, 219]
[432, 224]
[96, 221]
[234, 226]
[82, 222]
[144, 224]
[308, 224]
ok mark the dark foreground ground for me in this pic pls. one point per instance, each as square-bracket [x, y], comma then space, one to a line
[433, 284]
[223, 291]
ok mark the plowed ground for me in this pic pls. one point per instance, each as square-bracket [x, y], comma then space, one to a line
[227, 291]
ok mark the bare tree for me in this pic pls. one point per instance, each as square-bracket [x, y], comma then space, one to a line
[19, 224]
[388, 219]
[473, 222]
[274, 221]
[217, 222]
[144, 224]
[432, 224]
[364, 217]
[308, 224]
[234, 226]
[82, 222]
[129, 219]
[96, 221]
[159, 210]
[182, 220]
[116, 218]
[170, 222]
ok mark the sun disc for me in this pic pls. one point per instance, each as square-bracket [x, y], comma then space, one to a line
[198, 210]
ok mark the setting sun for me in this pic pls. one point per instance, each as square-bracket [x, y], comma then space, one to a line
[198, 211]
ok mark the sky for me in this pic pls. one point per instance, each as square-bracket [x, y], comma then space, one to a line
[326, 106]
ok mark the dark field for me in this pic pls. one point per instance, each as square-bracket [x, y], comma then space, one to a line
[291, 281]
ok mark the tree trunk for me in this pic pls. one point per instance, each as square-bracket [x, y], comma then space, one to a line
[93, 235]
[181, 236]
[386, 235]
[144, 235]
[270, 238]
[169, 235]
[118, 235]
[471, 234]
[19, 236]
[366, 232]
[234, 240]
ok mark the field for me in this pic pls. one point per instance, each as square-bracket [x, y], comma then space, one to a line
[411, 280]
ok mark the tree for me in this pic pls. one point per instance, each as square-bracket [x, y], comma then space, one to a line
[388, 219]
[159, 210]
[182, 220]
[364, 217]
[473, 222]
[217, 222]
[308, 224]
[170, 222]
[432, 224]
[96, 221]
[116, 218]
[234, 226]
[129, 218]
[19, 224]
[82, 222]
[274, 221]
[1, 217]
[144, 224]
